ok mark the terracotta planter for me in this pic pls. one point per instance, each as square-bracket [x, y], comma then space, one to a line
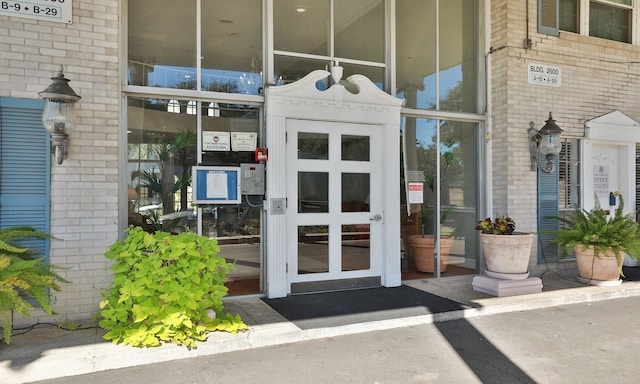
[422, 251]
[602, 268]
[507, 253]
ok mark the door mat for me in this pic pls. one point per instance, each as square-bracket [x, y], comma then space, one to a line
[631, 273]
[332, 309]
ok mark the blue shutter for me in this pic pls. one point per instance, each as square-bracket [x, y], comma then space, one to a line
[549, 17]
[548, 196]
[24, 168]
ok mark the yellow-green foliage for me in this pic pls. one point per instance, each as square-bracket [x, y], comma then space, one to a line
[21, 275]
[163, 286]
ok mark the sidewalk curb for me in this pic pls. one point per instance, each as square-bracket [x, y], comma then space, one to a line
[84, 351]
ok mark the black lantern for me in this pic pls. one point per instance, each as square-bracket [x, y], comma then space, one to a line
[546, 142]
[59, 115]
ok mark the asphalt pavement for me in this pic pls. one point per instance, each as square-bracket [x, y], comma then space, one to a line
[46, 353]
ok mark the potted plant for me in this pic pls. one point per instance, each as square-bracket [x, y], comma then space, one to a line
[423, 245]
[599, 241]
[506, 252]
[23, 277]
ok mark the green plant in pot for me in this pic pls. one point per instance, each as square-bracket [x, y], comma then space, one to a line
[506, 252]
[423, 245]
[599, 241]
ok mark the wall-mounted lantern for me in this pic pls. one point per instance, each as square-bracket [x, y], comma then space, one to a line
[59, 115]
[546, 142]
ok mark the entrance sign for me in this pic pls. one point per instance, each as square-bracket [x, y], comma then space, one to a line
[216, 185]
[49, 10]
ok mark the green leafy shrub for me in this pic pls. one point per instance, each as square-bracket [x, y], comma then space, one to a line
[23, 276]
[163, 289]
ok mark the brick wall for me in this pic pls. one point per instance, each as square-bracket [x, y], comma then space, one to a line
[84, 189]
[598, 76]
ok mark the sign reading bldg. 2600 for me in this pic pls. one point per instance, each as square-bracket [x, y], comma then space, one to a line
[50, 10]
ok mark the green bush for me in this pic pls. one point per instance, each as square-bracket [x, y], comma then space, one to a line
[162, 290]
[23, 276]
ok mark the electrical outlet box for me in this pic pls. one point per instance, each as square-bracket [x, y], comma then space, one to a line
[252, 179]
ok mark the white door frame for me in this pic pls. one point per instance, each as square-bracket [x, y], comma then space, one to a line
[618, 133]
[302, 100]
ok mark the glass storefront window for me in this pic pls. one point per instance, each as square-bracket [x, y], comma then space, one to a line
[458, 187]
[163, 52]
[359, 30]
[354, 31]
[451, 84]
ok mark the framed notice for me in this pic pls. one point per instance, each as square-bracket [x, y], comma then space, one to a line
[215, 185]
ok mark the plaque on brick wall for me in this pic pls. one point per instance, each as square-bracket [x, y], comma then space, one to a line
[50, 10]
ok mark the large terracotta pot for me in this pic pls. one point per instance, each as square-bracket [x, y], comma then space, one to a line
[507, 253]
[422, 251]
[603, 268]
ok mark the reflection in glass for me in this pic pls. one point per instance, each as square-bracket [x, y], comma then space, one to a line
[359, 29]
[458, 190]
[458, 56]
[456, 74]
[355, 247]
[355, 192]
[355, 148]
[416, 58]
[313, 249]
[162, 39]
[313, 146]
[313, 192]
[162, 43]
[232, 46]
[309, 20]
[290, 69]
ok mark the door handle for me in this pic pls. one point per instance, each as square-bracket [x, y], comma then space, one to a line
[377, 217]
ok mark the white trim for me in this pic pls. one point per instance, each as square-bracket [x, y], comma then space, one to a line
[302, 100]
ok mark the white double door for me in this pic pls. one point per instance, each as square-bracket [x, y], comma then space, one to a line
[334, 203]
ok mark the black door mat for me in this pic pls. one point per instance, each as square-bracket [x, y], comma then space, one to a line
[332, 309]
[631, 273]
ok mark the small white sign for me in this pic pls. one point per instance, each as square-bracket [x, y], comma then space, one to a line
[244, 141]
[601, 180]
[215, 141]
[49, 10]
[217, 185]
[416, 193]
[541, 74]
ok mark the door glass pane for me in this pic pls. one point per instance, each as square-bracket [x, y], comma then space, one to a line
[231, 46]
[355, 247]
[313, 192]
[301, 27]
[359, 29]
[355, 148]
[313, 146]
[355, 192]
[313, 249]
[162, 43]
